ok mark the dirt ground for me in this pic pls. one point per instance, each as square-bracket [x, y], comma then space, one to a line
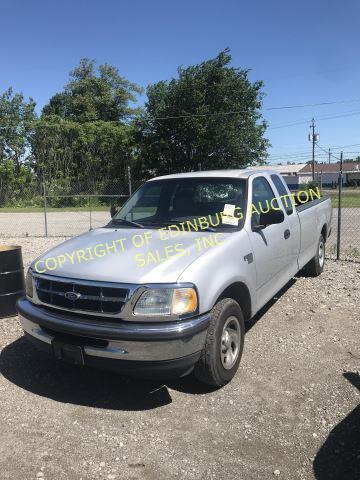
[291, 412]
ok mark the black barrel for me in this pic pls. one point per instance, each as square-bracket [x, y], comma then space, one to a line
[12, 283]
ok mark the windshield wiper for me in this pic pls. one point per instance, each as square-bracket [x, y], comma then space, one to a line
[126, 222]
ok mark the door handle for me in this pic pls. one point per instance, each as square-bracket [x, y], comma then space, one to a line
[287, 234]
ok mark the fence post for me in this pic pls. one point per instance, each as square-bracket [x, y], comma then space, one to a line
[90, 212]
[129, 179]
[45, 207]
[339, 208]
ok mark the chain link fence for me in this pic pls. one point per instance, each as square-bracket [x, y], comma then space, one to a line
[344, 242]
[39, 212]
[61, 209]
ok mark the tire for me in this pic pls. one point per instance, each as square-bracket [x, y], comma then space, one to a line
[316, 265]
[224, 344]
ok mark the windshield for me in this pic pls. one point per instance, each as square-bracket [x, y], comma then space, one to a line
[186, 200]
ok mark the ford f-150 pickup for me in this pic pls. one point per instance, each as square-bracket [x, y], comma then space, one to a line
[166, 287]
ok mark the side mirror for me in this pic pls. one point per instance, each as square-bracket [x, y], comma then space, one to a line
[113, 211]
[271, 217]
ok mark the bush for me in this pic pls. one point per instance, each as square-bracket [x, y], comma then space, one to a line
[17, 187]
[312, 185]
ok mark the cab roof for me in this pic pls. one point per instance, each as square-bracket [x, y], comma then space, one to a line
[235, 173]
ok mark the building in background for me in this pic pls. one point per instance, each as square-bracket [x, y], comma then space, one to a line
[290, 173]
[327, 174]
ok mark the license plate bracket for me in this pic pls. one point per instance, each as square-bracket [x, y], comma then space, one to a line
[67, 352]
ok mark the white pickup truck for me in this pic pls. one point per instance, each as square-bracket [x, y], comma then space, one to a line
[166, 287]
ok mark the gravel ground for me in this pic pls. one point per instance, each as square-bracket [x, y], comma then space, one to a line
[59, 223]
[291, 412]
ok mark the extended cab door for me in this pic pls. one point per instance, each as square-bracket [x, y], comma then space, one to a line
[292, 216]
[271, 246]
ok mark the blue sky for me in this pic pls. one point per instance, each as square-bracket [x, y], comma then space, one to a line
[305, 52]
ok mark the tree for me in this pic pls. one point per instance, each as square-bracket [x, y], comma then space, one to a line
[208, 117]
[84, 137]
[16, 126]
[80, 157]
[94, 95]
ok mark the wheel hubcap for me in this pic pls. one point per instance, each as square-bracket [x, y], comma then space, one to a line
[230, 343]
[321, 254]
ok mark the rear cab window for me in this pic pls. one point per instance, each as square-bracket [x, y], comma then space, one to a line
[263, 199]
[284, 195]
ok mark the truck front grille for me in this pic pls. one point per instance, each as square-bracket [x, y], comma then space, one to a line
[85, 297]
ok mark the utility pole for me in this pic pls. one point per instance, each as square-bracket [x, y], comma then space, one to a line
[313, 148]
[313, 137]
[329, 155]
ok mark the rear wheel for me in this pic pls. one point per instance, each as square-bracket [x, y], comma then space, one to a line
[316, 264]
[224, 344]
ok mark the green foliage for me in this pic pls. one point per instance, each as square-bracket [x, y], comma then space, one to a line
[83, 138]
[179, 143]
[16, 183]
[78, 157]
[94, 95]
[16, 124]
[312, 185]
[16, 128]
[90, 132]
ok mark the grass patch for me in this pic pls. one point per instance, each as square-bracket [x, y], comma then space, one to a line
[349, 199]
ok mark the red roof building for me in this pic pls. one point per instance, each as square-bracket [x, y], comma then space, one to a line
[328, 173]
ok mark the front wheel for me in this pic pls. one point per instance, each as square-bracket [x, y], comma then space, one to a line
[224, 344]
[316, 265]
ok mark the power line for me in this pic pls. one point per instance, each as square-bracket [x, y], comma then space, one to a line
[285, 125]
[345, 146]
[322, 117]
[303, 152]
[235, 112]
[326, 151]
[303, 122]
[313, 104]
[305, 155]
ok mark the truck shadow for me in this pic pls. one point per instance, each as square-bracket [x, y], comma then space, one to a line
[339, 456]
[25, 366]
[251, 323]
[22, 364]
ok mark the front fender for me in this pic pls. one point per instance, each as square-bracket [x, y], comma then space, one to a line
[221, 266]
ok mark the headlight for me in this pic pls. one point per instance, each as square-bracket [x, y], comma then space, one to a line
[166, 301]
[29, 284]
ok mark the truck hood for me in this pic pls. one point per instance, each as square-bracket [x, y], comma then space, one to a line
[127, 255]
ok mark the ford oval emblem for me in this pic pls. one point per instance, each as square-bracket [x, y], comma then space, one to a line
[72, 295]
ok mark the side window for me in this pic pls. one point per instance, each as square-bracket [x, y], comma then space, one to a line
[263, 199]
[280, 187]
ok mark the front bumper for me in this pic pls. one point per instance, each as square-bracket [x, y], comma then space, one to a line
[121, 345]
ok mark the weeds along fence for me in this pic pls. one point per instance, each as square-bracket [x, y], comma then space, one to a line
[54, 210]
[39, 212]
[91, 211]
